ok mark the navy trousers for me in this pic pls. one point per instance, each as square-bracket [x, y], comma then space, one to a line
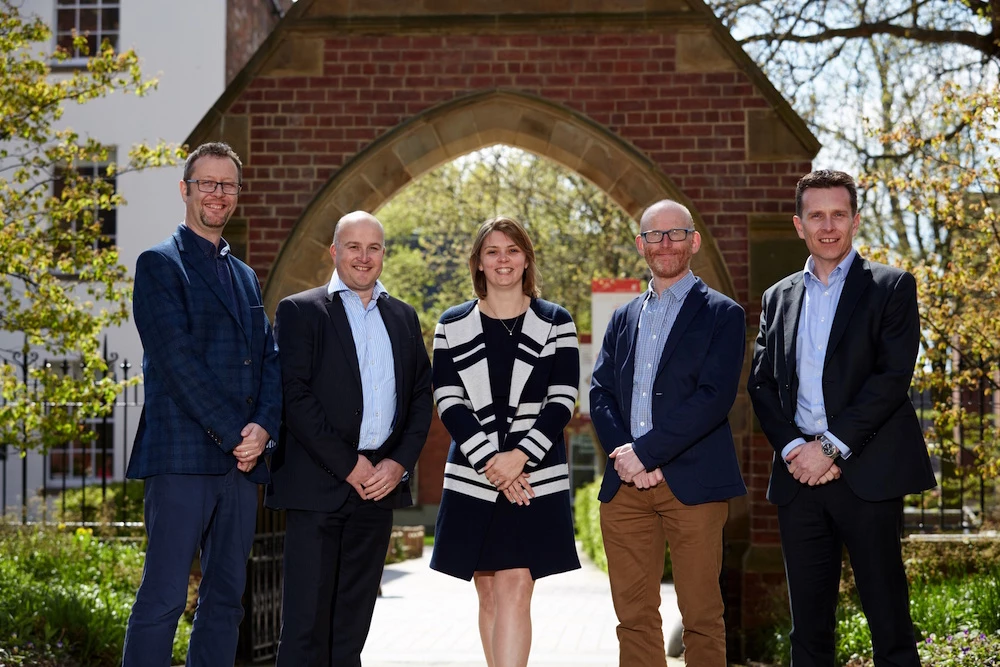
[215, 514]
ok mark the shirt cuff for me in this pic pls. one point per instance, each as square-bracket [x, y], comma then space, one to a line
[789, 447]
[845, 451]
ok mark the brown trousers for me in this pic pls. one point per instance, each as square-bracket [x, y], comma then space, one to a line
[636, 524]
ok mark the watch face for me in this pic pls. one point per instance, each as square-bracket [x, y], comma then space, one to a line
[829, 449]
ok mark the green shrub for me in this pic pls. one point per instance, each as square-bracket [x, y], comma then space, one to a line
[70, 591]
[122, 504]
[963, 648]
[587, 517]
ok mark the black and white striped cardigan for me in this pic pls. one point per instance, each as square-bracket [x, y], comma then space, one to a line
[544, 387]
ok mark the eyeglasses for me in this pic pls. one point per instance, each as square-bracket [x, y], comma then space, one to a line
[656, 235]
[211, 186]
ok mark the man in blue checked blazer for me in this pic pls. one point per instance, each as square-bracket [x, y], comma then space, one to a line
[212, 401]
[665, 380]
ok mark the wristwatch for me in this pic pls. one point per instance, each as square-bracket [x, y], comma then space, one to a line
[829, 449]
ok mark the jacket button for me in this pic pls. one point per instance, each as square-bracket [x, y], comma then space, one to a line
[357, 412]
[249, 400]
[247, 362]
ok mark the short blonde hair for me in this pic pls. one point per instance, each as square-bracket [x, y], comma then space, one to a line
[516, 233]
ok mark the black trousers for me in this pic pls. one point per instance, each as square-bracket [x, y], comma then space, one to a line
[332, 570]
[815, 527]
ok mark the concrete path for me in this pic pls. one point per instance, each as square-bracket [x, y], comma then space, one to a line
[427, 619]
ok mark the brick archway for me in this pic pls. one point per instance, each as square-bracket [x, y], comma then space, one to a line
[457, 128]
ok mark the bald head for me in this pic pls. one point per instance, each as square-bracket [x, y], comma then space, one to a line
[666, 208]
[356, 218]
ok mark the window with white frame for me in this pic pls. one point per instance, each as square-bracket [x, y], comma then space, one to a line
[94, 20]
[108, 217]
[85, 460]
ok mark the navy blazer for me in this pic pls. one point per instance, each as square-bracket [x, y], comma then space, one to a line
[208, 370]
[323, 400]
[693, 390]
[869, 362]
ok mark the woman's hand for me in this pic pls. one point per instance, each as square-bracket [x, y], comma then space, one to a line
[505, 471]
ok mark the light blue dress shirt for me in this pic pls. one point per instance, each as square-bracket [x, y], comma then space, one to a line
[655, 322]
[819, 305]
[378, 374]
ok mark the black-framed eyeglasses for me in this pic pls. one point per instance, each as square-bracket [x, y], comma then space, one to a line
[676, 235]
[212, 186]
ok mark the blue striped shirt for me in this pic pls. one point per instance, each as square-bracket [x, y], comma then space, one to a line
[655, 322]
[819, 305]
[378, 374]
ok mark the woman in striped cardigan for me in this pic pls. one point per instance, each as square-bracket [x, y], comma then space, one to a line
[506, 375]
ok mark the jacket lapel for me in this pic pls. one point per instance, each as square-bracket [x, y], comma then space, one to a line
[631, 335]
[342, 331]
[694, 301]
[859, 277]
[242, 292]
[397, 336]
[191, 260]
[791, 307]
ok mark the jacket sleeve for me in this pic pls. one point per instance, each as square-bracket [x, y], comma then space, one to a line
[455, 408]
[560, 396]
[268, 410]
[607, 415]
[704, 410]
[170, 345]
[297, 336]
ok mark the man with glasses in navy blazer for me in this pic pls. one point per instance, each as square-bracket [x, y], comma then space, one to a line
[212, 402]
[665, 380]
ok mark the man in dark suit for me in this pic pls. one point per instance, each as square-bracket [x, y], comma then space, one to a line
[665, 380]
[212, 399]
[830, 385]
[357, 389]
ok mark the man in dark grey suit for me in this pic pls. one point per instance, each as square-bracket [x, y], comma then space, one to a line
[357, 409]
[830, 385]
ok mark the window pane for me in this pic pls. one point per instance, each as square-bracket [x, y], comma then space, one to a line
[65, 20]
[109, 20]
[88, 20]
[67, 2]
[65, 41]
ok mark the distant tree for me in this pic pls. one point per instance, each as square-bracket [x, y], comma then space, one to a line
[578, 232]
[60, 285]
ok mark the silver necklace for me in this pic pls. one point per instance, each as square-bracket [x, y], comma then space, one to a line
[510, 330]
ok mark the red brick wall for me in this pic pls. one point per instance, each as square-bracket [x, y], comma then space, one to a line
[691, 125]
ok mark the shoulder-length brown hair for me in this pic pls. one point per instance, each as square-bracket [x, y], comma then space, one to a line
[516, 233]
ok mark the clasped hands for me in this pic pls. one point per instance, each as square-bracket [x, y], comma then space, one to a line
[631, 469]
[375, 481]
[255, 438]
[505, 471]
[809, 465]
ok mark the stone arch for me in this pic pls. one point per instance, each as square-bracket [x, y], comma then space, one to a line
[459, 127]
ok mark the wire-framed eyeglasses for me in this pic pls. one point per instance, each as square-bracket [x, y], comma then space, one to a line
[212, 186]
[676, 235]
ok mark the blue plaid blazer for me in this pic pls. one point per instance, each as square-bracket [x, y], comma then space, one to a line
[208, 370]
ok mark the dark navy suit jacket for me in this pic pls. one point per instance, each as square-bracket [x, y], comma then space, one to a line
[693, 390]
[324, 402]
[874, 340]
[208, 369]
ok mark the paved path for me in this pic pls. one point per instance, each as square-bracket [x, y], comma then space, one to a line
[427, 619]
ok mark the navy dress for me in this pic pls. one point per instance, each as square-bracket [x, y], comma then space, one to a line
[472, 535]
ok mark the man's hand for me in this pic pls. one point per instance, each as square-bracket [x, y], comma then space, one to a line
[255, 438]
[809, 465]
[627, 464]
[647, 480]
[385, 476]
[363, 471]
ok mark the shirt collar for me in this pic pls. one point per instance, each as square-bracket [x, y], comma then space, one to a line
[206, 247]
[837, 274]
[679, 290]
[337, 285]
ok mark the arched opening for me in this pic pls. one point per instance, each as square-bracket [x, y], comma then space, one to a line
[457, 128]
